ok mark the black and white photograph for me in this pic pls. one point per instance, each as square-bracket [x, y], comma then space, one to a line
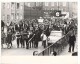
[39, 28]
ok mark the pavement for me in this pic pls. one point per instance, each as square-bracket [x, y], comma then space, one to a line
[65, 51]
[20, 51]
[29, 52]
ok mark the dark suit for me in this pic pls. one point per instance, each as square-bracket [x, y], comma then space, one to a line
[9, 39]
[18, 39]
[36, 39]
[25, 38]
[71, 42]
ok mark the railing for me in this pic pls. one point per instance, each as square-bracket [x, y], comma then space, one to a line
[58, 46]
[29, 42]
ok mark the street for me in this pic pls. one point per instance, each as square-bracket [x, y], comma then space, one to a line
[29, 52]
[20, 51]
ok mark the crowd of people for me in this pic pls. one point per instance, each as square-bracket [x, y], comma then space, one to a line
[24, 32]
[29, 32]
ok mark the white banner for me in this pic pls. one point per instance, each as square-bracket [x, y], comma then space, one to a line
[40, 20]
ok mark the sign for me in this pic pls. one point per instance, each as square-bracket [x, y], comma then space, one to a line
[40, 20]
[57, 13]
[65, 15]
[54, 36]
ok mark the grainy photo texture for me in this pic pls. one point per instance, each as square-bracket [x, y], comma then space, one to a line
[39, 28]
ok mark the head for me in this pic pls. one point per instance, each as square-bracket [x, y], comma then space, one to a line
[40, 17]
[9, 30]
[53, 53]
[35, 53]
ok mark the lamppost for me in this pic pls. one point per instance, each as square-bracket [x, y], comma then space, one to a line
[68, 6]
[42, 9]
[58, 5]
[30, 10]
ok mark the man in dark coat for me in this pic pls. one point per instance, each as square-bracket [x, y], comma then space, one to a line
[72, 40]
[3, 36]
[36, 38]
[47, 32]
[18, 38]
[31, 38]
[21, 40]
[2, 24]
[25, 38]
[9, 39]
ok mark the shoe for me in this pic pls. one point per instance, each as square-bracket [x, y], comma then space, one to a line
[73, 51]
[27, 47]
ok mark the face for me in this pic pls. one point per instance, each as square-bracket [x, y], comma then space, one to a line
[51, 53]
[36, 53]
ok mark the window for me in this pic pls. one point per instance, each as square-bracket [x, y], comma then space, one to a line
[64, 3]
[17, 16]
[46, 3]
[3, 5]
[12, 16]
[37, 3]
[21, 7]
[18, 5]
[8, 17]
[12, 2]
[52, 4]
[12, 5]
[28, 4]
[20, 16]
[8, 5]
[57, 3]
[40, 4]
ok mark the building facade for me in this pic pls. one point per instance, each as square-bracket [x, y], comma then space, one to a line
[33, 10]
[70, 7]
[16, 11]
[40, 8]
[12, 11]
